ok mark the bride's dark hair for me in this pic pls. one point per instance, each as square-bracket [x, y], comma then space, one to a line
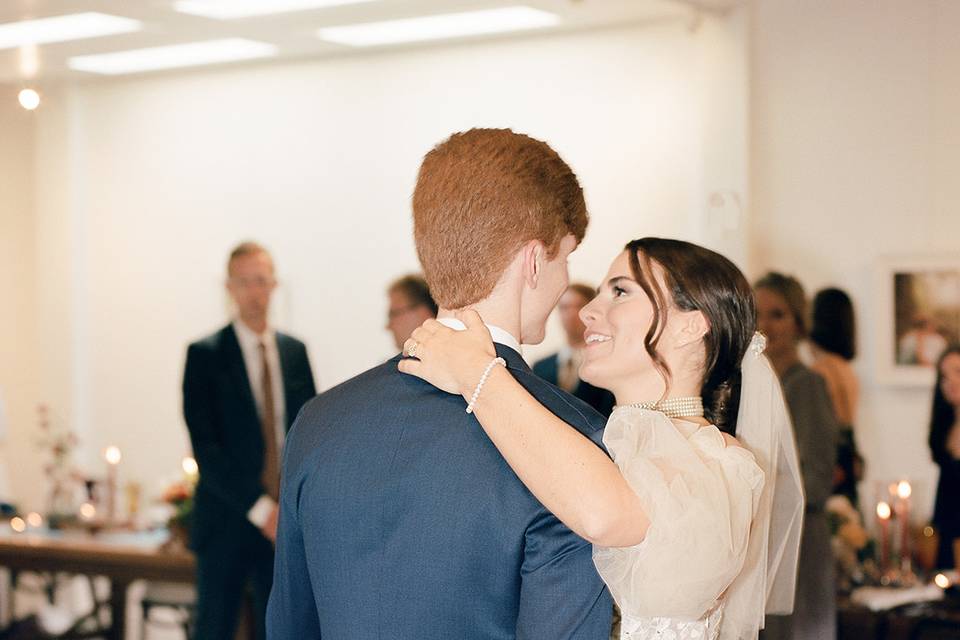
[698, 279]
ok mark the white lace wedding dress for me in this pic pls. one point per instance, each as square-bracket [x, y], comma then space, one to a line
[701, 496]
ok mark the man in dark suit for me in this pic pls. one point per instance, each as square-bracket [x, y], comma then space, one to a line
[562, 367]
[398, 518]
[242, 388]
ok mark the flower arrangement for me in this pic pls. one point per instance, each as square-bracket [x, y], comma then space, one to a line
[853, 549]
[179, 497]
[58, 443]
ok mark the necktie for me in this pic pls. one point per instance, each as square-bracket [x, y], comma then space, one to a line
[567, 377]
[270, 476]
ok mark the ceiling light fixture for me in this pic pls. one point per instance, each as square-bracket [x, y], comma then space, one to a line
[233, 9]
[169, 57]
[76, 26]
[438, 27]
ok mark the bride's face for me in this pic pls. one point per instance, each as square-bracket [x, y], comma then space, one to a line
[617, 321]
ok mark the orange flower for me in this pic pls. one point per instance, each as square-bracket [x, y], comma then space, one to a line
[176, 493]
[854, 535]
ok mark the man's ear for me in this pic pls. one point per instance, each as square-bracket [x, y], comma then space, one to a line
[690, 327]
[532, 256]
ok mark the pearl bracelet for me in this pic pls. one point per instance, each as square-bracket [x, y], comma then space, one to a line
[483, 379]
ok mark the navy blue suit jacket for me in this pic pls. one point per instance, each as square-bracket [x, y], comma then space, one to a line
[225, 432]
[600, 399]
[399, 519]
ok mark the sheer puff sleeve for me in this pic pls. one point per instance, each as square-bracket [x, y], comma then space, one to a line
[700, 495]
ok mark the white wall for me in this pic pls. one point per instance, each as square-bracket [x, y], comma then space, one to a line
[18, 345]
[148, 182]
[854, 156]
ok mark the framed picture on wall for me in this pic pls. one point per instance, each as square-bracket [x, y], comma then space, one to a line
[918, 315]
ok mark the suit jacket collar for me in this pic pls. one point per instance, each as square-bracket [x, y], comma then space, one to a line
[233, 359]
[288, 372]
[512, 356]
[233, 356]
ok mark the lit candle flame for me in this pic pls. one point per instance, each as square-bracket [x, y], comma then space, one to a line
[29, 99]
[904, 490]
[112, 455]
[883, 511]
[87, 511]
[942, 581]
[190, 466]
[18, 525]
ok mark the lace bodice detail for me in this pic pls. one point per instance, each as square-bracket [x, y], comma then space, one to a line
[659, 628]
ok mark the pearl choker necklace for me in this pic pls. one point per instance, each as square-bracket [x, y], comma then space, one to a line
[691, 406]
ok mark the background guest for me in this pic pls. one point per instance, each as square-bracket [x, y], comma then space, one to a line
[833, 343]
[410, 303]
[781, 315]
[562, 367]
[945, 447]
[242, 388]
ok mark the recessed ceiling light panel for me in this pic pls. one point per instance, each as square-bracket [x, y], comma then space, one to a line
[233, 9]
[438, 27]
[170, 57]
[75, 26]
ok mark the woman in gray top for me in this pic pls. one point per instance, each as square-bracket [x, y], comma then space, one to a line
[782, 316]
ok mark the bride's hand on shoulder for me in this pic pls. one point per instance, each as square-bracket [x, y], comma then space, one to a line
[448, 359]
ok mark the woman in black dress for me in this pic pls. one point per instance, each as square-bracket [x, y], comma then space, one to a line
[945, 447]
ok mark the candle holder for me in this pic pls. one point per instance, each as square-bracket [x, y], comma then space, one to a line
[112, 456]
[896, 550]
[903, 493]
[883, 522]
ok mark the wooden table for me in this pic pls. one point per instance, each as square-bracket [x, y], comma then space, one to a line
[120, 557]
[924, 621]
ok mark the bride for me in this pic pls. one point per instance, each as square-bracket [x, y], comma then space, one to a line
[695, 531]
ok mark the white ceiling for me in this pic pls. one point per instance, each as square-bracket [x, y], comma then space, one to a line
[292, 32]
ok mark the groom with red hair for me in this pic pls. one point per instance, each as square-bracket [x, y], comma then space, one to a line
[398, 517]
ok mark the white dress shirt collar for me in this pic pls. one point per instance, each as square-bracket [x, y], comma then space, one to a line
[250, 339]
[500, 336]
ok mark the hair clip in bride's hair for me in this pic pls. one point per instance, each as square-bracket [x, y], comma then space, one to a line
[758, 344]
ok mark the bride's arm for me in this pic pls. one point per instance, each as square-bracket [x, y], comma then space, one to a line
[570, 475]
